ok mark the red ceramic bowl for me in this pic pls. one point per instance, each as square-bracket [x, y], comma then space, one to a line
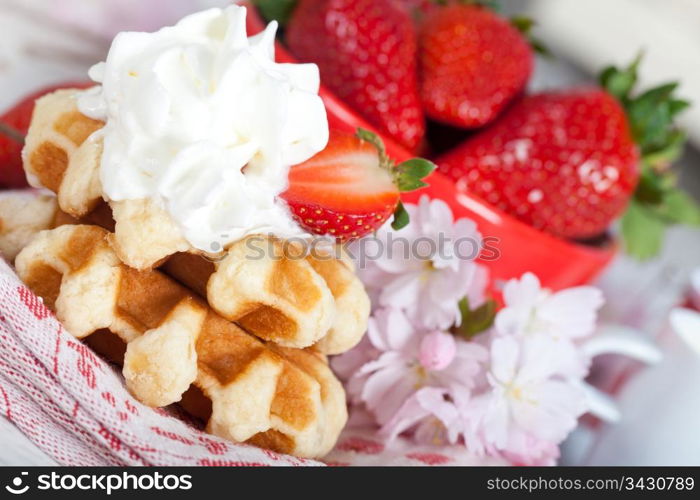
[521, 248]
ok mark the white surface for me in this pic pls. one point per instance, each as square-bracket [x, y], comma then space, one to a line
[667, 419]
[41, 44]
[15, 449]
[595, 33]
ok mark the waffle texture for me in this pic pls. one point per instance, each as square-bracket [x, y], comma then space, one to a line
[175, 348]
[257, 282]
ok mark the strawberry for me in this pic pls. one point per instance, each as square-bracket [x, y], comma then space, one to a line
[563, 162]
[366, 53]
[14, 124]
[569, 162]
[472, 63]
[351, 187]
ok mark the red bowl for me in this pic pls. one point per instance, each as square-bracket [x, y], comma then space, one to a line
[557, 262]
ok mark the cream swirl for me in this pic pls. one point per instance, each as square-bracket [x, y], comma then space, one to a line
[201, 118]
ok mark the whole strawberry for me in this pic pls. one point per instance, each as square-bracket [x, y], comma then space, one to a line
[571, 162]
[351, 187]
[366, 53]
[563, 162]
[14, 124]
[472, 62]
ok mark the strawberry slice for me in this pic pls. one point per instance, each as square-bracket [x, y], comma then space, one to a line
[14, 124]
[352, 187]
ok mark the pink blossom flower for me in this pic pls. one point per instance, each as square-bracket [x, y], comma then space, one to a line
[563, 317]
[427, 267]
[400, 360]
[529, 451]
[570, 313]
[526, 400]
[437, 350]
[435, 417]
[513, 392]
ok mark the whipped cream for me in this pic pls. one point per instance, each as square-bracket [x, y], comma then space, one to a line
[200, 117]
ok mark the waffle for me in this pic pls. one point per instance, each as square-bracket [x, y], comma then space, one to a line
[177, 349]
[23, 213]
[276, 294]
[62, 153]
[271, 311]
[293, 302]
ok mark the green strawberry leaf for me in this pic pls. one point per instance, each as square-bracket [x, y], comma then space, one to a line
[651, 117]
[494, 5]
[651, 186]
[657, 202]
[540, 48]
[409, 174]
[667, 153]
[620, 82]
[407, 184]
[679, 208]
[475, 321]
[642, 231]
[416, 167]
[525, 25]
[279, 10]
[401, 218]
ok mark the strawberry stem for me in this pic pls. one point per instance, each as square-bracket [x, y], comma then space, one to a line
[375, 140]
[407, 176]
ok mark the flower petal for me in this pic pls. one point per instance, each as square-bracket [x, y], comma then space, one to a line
[505, 352]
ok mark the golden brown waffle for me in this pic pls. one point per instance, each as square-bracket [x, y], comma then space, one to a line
[276, 297]
[284, 399]
[23, 213]
[269, 313]
[62, 154]
[293, 302]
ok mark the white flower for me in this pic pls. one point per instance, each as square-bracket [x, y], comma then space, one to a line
[570, 313]
[527, 401]
[563, 317]
[427, 267]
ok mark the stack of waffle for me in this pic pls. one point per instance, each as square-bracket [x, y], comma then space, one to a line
[239, 338]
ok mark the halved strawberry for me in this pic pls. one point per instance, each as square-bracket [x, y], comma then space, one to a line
[352, 187]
